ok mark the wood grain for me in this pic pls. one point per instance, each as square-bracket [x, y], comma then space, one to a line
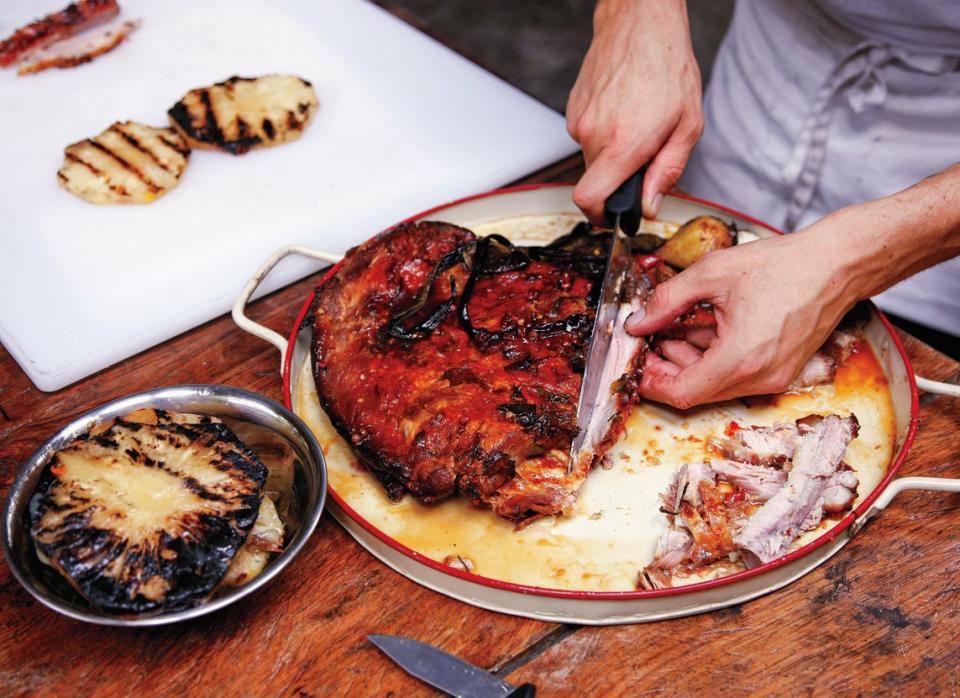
[880, 617]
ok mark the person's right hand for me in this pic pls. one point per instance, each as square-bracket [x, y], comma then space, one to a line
[637, 99]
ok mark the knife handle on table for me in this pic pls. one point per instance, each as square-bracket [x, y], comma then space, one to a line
[624, 203]
[527, 690]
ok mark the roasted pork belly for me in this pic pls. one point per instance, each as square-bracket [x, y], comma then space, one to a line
[452, 364]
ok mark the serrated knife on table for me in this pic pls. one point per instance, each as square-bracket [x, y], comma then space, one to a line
[622, 210]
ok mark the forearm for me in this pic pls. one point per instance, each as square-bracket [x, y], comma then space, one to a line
[876, 244]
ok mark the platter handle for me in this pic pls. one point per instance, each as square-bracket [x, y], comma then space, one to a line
[929, 386]
[937, 484]
[255, 328]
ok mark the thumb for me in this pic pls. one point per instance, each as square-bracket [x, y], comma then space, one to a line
[604, 174]
[669, 300]
[665, 170]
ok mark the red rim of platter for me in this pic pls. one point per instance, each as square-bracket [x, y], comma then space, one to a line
[827, 537]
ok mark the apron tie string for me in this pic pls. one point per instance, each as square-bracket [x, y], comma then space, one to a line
[858, 77]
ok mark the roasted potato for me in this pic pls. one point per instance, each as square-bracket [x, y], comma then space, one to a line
[694, 239]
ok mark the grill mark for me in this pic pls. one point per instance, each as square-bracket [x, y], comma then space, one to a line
[268, 128]
[118, 189]
[62, 176]
[292, 122]
[212, 125]
[133, 141]
[135, 171]
[72, 157]
[173, 145]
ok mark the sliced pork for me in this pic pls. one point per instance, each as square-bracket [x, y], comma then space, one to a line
[622, 371]
[775, 483]
[759, 481]
[77, 50]
[818, 458]
[773, 445]
[54, 27]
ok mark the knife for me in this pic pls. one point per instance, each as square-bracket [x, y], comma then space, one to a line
[622, 210]
[445, 671]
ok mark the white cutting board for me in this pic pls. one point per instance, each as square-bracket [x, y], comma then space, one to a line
[404, 124]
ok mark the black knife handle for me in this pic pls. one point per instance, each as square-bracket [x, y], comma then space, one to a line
[625, 203]
[527, 690]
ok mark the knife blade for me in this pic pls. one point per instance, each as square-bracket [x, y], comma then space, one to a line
[623, 209]
[445, 671]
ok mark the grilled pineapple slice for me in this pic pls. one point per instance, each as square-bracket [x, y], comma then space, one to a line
[129, 163]
[242, 113]
[147, 512]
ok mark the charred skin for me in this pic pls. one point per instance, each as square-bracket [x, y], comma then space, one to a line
[485, 403]
[129, 559]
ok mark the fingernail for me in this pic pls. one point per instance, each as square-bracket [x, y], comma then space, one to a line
[634, 319]
[655, 206]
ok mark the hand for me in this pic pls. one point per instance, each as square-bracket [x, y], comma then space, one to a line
[637, 99]
[776, 301]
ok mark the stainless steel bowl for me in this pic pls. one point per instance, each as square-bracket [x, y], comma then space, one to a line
[310, 489]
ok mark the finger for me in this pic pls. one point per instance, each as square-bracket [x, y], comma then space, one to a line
[655, 370]
[701, 382]
[701, 337]
[669, 300]
[605, 172]
[679, 352]
[667, 167]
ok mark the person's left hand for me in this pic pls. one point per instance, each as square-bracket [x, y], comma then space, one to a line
[776, 301]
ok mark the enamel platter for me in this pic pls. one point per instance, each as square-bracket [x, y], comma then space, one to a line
[583, 568]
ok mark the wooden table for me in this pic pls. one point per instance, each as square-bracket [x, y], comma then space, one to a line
[880, 617]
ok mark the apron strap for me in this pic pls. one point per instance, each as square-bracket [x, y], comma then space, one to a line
[858, 77]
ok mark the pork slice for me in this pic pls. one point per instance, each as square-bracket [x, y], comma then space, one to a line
[817, 459]
[622, 370]
[42, 32]
[685, 486]
[758, 481]
[819, 370]
[80, 49]
[841, 344]
[840, 492]
[771, 445]
[673, 547]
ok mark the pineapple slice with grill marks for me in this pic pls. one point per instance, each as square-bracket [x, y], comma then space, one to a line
[147, 512]
[243, 113]
[129, 163]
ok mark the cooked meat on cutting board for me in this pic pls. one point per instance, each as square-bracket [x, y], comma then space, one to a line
[243, 113]
[452, 363]
[78, 50]
[54, 27]
[129, 163]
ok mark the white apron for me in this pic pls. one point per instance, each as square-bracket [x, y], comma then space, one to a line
[813, 106]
